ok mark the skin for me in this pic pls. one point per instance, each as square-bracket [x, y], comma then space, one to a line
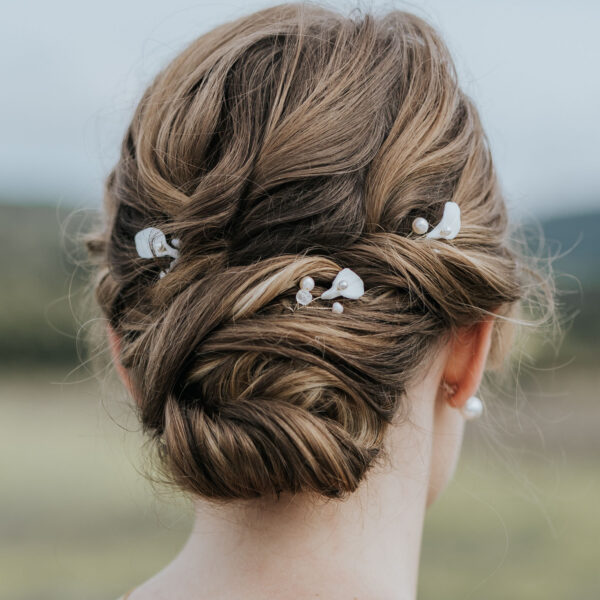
[366, 547]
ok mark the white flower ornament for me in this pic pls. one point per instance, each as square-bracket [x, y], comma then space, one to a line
[347, 284]
[446, 229]
[152, 243]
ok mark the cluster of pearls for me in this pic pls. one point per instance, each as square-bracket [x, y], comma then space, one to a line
[303, 295]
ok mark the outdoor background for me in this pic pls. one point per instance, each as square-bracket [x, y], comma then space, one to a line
[77, 518]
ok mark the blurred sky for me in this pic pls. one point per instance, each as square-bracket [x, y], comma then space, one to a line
[72, 71]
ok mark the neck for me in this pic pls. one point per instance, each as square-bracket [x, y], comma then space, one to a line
[367, 546]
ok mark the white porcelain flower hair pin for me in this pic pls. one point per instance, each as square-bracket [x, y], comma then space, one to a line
[152, 243]
[446, 229]
[349, 285]
[346, 283]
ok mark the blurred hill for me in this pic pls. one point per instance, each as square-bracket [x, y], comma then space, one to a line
[575, 241]
[578, 237]
[41, 302]
[45, 300]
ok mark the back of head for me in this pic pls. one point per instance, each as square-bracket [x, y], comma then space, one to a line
[296, 141]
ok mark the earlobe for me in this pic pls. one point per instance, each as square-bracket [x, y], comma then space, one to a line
[467, 356]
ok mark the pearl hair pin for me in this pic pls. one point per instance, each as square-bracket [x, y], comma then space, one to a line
[446, 229]
[151, 242]
[346, 283]
[349, 285]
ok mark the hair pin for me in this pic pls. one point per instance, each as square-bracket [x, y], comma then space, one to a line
[446, 229]
[151, 242]
[346, 283]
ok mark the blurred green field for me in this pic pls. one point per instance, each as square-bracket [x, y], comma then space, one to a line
[80, 522]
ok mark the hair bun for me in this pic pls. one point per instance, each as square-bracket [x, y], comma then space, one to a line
[251, 397]
[292, 143]
[256, 447]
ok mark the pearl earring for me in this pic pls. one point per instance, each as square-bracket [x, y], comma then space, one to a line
[472, 409]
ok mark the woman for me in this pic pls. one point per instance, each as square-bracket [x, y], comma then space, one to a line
[305, 270]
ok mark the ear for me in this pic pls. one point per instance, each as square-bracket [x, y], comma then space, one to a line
[468, 353]
[115, 350]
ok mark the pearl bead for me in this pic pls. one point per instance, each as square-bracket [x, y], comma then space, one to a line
[472, 409]
[307, 283]
[303, 296]
[342, 284]
[420, 225]
[336, 307]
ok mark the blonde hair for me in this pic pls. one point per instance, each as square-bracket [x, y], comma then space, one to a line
[296, 141]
